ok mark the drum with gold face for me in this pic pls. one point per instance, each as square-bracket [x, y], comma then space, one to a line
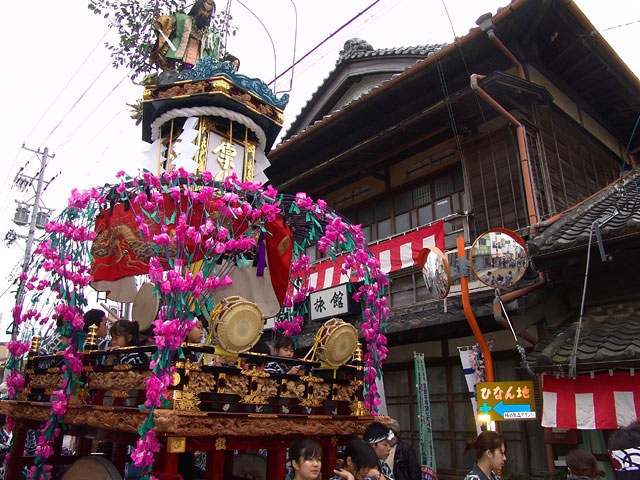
[236, 325]
[335, 342]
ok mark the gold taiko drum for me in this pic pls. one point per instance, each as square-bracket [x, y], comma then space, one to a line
[336, 341]
[237, 324]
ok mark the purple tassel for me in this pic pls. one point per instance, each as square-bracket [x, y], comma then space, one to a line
[262, 255]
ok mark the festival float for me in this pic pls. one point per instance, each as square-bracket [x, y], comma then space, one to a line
[198, 235]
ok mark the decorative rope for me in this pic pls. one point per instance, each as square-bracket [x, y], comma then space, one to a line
[202, 111]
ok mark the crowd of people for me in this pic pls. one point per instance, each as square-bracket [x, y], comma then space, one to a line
[115, 335]
[379, 455]
[624, 453]
[364, 458]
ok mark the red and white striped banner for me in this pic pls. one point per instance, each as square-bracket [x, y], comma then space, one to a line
[603, 401]
[394, 254]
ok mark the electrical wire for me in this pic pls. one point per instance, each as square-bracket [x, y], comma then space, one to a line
[349, 22]
[273, 46]
[445, 91]
[12, 285]
[37, 124]
[6, 206]
[626, 152]
[295, 48]
[328, 47]
[617, 26]
[93, 82]
[492, 144]
[82, 123]
[71, 78]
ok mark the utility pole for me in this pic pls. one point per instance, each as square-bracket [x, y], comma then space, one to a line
[35, 208]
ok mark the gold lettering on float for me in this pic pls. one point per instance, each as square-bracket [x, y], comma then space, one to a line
[226, 154]
[203, 141]
[249, 162]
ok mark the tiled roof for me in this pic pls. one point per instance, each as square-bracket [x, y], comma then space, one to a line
[610, 333]
[616, 208]
[354, 53]
[356, 50]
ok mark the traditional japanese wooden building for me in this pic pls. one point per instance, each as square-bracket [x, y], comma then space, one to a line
[527, 115]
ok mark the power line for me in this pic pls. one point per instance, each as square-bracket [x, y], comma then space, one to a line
[618, 26]
[329, 37]
[66, 86]
[16, 161]
[93, 111]
[82, 123]
[87, 144]
[93, 82]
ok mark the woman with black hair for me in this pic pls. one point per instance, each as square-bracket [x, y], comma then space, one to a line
[359, 459]
[490, 448]
[305, 456]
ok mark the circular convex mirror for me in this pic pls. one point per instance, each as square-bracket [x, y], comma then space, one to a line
[435, 271]
[499, 258]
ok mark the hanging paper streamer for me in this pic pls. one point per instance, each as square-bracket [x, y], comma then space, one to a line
[427, 452]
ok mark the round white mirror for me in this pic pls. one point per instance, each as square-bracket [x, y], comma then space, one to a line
[499, 258]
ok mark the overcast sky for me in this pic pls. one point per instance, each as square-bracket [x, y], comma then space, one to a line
[61, 92]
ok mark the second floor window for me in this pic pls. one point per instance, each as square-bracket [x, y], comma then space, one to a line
[438, 197]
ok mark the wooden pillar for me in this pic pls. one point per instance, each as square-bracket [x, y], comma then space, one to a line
[277, 463]
[216, 464]
[85, 446]
[14, 464]
[166, 462]
[329, 461]
[120, 456]
[229, 456]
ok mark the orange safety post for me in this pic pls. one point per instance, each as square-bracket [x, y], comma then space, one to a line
[471, 319]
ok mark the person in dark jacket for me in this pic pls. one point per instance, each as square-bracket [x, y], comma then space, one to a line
[405, 463]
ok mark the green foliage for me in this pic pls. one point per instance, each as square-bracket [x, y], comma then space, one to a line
[134, 21]
[136, 111]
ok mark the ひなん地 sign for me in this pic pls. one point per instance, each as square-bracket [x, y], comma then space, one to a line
[504, 401]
